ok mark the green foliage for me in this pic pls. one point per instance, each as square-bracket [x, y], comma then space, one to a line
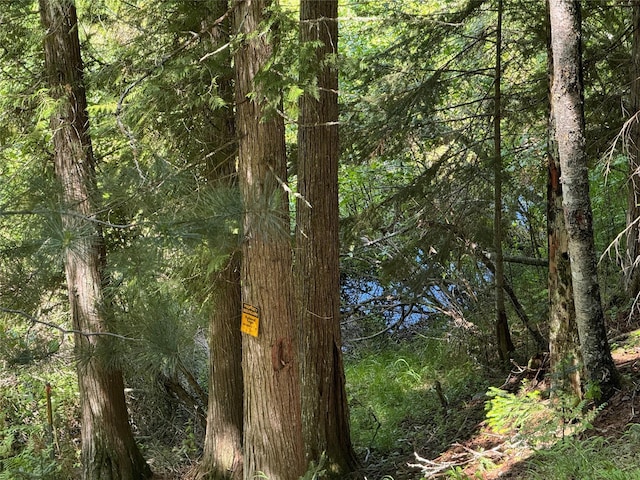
[507, 412]
[393, 387]
[458, 473]
[416, 184]
[595, 458]
[29, 464]
[24, 344]
[415, 202]
[536, 420]
[316, 471]
[27, 449]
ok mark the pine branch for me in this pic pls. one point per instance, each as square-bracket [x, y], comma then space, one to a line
[158, 66]
[70, 214]
[65, 331]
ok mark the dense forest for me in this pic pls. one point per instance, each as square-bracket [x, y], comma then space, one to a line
[305, 239]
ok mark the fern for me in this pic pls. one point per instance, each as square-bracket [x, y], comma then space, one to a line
[506, 411]
[537, 419]
[29, 463]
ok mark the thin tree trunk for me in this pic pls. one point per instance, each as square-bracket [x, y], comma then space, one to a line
[631, 261]
[568, 110]
[325, 415]
[222, 453]
[273, 443]
[564, 342]
[541, 342]
[503, 336]
[108, 448]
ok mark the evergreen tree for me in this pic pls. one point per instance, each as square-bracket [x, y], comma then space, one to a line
[567, 107]
[423, 119]
[222, 455]
[503, 335]
[109, 451]
[272, 438]
[325, 415]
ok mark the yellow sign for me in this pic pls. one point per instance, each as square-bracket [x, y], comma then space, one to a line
[250, 320]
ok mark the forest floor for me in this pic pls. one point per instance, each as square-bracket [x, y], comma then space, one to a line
[477, 451]
[484, 454]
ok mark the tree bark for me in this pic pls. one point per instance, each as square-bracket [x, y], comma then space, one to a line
[503, 335]
[222, 453]
[273, 443]
[108, 448]
[564, 342]
[325, 415]
[568, 111]
[631, 261]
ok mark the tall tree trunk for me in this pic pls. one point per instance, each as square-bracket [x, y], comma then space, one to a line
[632, 259]
[273, 442]
[325, 415]
[222, 454]
[564, 342]
[541, 343]
[503, 336]
[108, 448]
[568, 110]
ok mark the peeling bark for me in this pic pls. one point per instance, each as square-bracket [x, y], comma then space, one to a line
[568, 116]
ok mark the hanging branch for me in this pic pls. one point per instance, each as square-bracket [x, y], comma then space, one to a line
[63, 330]
[475, 249]
[400, 321]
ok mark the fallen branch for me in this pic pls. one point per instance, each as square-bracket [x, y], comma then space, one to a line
[431, 469]
[434, 469]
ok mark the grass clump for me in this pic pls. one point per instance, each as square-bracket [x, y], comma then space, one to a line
[595, 458]
[393, 400]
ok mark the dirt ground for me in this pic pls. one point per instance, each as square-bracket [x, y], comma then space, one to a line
[508, 460]
[490, 456]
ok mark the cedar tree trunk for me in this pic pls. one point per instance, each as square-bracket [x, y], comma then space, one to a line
[108, 448]
[272, 440]
[222, 454]
[325, 415]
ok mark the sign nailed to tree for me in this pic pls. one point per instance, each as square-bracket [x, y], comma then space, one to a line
[250, 320]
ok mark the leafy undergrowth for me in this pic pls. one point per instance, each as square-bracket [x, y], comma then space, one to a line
[425, 397]
[525, 435]
[416, 395]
